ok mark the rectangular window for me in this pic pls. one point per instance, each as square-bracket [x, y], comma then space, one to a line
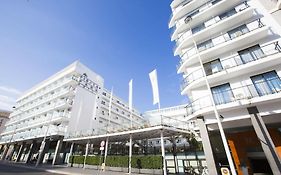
[238, 31]
[227, 14]
[222, 94]
[212, 67]
[205, 45]
[251, 54]
[198, 28]
[267, 83]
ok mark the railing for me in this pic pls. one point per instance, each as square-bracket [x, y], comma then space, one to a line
[197, 74]
[199, 9]
[222, 39]
[239, 8]
[233, 61]
[26, 116]
[49, 89]
[235, 94]
[163, 121]
[35, 133]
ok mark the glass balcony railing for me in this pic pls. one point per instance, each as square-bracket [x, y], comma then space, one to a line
[246, 92]
[234, 61]
[210, 22]
[224, 38]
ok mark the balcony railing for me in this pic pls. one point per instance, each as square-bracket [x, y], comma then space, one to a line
[219, 40]
[252, 26]
[234, 61]
[187, 33]
[196, 11]
[246, 92]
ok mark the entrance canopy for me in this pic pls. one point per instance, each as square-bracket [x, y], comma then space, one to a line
[137, 134]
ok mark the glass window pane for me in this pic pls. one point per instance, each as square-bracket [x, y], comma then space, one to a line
[222, 94]
[267, 83]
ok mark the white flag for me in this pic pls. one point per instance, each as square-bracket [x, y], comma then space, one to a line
[131, 95]
[110, 103]
[154, 84]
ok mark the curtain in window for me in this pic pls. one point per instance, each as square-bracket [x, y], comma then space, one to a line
[238, 31]
[251, 54]
[267, 83]
[222, 94]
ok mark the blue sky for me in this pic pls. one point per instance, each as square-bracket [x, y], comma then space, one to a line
[118, 39]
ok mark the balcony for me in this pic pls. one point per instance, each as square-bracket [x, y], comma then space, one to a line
[245, 95]
[192, 9]
[236, 16]
[231, 62]
[229, 41]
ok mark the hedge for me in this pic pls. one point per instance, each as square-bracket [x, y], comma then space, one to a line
[146, 162]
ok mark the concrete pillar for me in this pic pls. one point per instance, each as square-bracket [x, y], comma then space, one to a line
[211, 164]
[4, 154]
[31, 150]
[265, 140]
[70, 152]
[56, 159]
[42, 150]
[20, 152]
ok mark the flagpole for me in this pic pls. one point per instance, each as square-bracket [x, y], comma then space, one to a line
[107, 128]
[156, 99]
[131, 124]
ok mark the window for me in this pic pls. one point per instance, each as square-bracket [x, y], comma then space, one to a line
[251, 54]
[198, 28]
[104, 93]
[238, 31]
[267, 83]
[205, 45]
[103, 102]
[212, 67]
[222, 94]
[227, 14]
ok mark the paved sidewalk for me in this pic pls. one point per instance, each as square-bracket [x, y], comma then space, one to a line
[63, 169]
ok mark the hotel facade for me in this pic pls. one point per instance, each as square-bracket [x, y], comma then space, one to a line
[230, 61]
[72, 102]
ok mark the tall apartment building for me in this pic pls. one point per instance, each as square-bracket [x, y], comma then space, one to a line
[4, 117]
[230, 61]
[58, 107]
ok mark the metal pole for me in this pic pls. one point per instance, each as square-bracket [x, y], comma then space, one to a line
[41, 150]
[70, 152]
[86, 154]
[163, 153]
[224, 140]
[105, 152]
[130, 154]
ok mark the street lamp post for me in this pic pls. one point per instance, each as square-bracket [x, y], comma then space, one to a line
[12, 136]
[224, 140]
[42, 147]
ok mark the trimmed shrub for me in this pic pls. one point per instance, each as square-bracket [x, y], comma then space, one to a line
[93, 160]
[146, 162]
[77, 159]
[117, 161]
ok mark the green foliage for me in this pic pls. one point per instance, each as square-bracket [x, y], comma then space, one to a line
[147, 162]
[93, 160]
[117, 161]
[77, 159]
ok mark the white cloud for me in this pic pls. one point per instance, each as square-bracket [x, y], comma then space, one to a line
[8, 97]
[10, 90]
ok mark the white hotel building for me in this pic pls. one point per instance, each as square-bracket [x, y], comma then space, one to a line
[59, 107]
[230, 59]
